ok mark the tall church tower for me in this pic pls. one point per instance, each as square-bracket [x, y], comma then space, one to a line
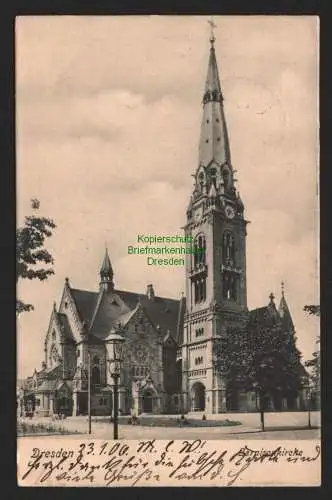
[216, 274]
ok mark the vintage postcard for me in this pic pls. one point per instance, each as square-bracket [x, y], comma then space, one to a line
[167, 251]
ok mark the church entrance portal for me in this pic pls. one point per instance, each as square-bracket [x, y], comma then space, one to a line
[198, 397]
[147, 402]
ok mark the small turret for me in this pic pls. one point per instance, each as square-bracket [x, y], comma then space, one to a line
[239, 204]
[150, 292]
[106, 274]
[284, 310]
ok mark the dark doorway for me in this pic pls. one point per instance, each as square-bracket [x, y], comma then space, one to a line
[148, 402]
[82, 403]
[198, 397]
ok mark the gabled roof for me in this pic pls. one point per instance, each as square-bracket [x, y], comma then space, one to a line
[65, 327]
[110, 307]
[85, 302]
[95, 340]
[100, 310]
[126, 317]
[285, 314]
[264, 316]
[169, 339]
[47, 385]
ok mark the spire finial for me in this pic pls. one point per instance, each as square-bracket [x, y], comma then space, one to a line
[106, 273]
[283, 288]
[212, 27]
[271, 297]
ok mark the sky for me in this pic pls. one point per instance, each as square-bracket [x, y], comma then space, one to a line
[108, 113]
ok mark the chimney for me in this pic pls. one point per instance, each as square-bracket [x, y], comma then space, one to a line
[150, 292]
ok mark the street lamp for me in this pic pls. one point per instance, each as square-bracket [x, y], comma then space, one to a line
[308, 390]
[114, 345]
[306, 385]
[259, 389]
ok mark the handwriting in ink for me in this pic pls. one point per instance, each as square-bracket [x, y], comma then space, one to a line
[114, 463]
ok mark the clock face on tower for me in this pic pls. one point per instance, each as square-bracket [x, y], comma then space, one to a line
[229, 211]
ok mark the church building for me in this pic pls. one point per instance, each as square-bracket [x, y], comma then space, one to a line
[169, 362]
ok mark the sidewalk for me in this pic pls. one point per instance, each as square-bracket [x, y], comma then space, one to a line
[278, 426]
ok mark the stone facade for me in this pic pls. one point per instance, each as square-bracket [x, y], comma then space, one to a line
[216, 286]
[148, 380]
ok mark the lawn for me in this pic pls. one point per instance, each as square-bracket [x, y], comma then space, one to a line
[150, 421]
[29, 429]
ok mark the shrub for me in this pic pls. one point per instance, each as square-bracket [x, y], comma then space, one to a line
[39, 428]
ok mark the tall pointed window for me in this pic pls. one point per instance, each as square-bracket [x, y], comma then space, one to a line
[201, 181]
[229, 286]
[199, 250]
[200, 290]
[228, 248]
[226, 178]
[54, 357]
[213, 174]
[95, 372]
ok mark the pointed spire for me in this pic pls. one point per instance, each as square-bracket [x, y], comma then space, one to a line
[106, 273]
[214, 142]
[239, 202]
[150, 292]
[284, 310]
[212, 82]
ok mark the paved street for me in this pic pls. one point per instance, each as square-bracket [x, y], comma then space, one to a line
[278, 426]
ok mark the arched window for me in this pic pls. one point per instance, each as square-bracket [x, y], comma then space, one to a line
[95, 375]
[200, 290]
[199, 250]
[53, 335]
[229, 286]
[226, 286]
[203, 290]
[95, 360]
[232, 283]
[226, 178]
[213, 174]
[228, 248]
[54, 356]
[201, 181]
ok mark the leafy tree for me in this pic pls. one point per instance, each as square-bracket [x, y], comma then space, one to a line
[313, 310]
[314, 363]
[30, 250]
[259, 357]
